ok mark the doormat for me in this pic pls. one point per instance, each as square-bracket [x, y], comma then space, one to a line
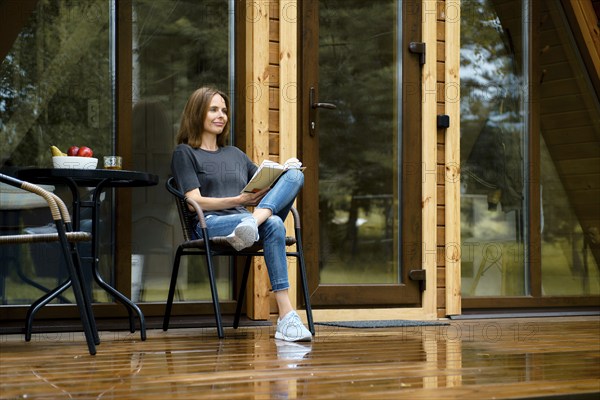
[387, 323]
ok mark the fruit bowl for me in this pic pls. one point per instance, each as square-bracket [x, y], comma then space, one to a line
[74, 162]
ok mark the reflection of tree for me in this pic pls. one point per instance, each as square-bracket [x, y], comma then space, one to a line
[61, 63]
[357, 72]
[178, 47]
[491, 97]
[58, 62]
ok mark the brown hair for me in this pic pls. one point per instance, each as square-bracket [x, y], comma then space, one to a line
[194, 113]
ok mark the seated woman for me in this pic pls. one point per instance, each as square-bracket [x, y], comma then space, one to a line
[212, 173]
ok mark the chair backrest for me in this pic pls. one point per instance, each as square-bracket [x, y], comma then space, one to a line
[187, 218]
[57, 208]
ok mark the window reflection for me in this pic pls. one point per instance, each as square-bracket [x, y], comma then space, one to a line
[493, 155]
[177, 47]
[358, 144]
[56, 88]
[570, 132]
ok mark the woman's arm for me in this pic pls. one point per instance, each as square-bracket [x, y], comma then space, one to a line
[223, 203]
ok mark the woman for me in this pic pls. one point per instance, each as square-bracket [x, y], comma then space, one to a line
[214, 174]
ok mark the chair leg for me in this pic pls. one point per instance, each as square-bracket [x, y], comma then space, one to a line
[172, 287]
[215, 295]
[80, 296]
[242, 293]
[309, 317]
[86, 294]
[302, 265]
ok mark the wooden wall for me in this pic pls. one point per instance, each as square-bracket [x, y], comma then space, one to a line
[271, 113]
[440, 151]
[440, 160]
[441, 154]
[449, 267]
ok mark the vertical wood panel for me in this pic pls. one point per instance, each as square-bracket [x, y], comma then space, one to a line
[288, 104]
[429, 127]
[257, 117]
[452, 158]
[587, 27]
[440, 152]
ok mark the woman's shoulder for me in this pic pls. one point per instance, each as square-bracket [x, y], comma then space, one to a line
[234, 151]
[231, 148]
[183, 148]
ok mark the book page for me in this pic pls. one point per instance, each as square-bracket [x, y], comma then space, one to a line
[265, 176]
[268, 172]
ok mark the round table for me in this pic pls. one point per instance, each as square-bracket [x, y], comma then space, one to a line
[98, 179]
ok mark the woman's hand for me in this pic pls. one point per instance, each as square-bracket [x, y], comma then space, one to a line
[252, 199]
[222, 203]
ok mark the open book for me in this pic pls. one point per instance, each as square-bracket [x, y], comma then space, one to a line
[268, 172]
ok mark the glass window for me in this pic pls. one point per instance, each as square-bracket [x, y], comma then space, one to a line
[56, 88]
[570, 178]
[359, 70]
[177, 47]
[493, 151]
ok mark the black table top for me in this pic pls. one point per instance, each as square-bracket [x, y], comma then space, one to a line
[88, 177]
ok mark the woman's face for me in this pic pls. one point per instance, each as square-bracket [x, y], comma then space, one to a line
[216, 117]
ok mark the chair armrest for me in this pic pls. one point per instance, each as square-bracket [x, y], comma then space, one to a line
[57, 208]
[199, 211]
[183, 202]
[296, 215]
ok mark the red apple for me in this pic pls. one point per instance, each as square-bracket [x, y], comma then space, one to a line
[73, 150]
[85, 151]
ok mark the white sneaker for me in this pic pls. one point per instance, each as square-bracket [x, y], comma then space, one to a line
[244, 235]
[291, 329]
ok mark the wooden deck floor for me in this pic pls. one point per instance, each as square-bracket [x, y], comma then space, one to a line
[469, 359]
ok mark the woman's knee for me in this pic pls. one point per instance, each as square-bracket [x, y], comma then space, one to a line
[274, 225]
[295, 176]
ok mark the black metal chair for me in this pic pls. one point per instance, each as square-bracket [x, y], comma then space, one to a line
[67, 239]
[218, 246]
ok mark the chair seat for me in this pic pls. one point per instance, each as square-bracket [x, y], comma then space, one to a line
[220, 243]
[45, 237]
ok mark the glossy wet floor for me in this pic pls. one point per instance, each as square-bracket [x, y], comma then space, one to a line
[468, 359]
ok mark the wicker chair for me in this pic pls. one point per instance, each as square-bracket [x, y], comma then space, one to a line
[218, 246]
[66, 238]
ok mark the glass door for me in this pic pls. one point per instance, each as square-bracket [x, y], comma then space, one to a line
[529, 160]
[493, 150]
[359, 156]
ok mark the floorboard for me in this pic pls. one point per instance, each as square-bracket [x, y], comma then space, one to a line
[535, 358]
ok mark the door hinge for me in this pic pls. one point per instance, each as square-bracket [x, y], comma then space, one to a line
[418, 275]
[418, 48]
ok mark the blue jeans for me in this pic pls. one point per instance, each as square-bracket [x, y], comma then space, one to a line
[272, 232]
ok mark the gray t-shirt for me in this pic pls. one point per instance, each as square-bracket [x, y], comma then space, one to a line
[220, 173]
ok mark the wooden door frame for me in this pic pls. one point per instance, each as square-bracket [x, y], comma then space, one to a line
[329, 295]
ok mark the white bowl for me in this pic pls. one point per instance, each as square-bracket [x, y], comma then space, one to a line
[74, 162]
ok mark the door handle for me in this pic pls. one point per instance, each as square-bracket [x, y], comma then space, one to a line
[329, 106]
[314, 104]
